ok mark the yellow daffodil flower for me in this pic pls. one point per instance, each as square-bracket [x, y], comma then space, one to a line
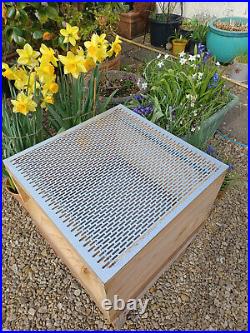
[8, 72]
[45, 72]
[73, 64]
[89, 63]
[70, 34]
[97, 47]
[27, 56]
[24, 104]
[48, 55]
[21, 78]
[50, 87]
[115, 47]
[48, 99]
[33, 82]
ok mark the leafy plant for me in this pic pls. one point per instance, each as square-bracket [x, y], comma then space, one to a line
[189, 24]
[26, 22]
[184, 93]
[200, 32]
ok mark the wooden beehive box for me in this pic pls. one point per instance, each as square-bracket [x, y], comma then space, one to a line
[118, 199]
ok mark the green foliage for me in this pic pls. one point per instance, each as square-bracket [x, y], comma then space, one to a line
[200, 32]
[19, 131]
[76, 101]
[184, 93]
[189, 24]
[26, 22]
[242, 59]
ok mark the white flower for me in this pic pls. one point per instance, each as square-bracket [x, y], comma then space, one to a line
[181, 122]
[193, 65]
[194, 75]
[192, 104]
[188, 96]
[192, 129]
[144, 85]
[192, 57]
[195, 113]
[198, 128]
[183, 61]
[182, 54]
[166, 56]
[160, 64]
[198, 55]
[217, 63]
[200, 75]
[159, 55]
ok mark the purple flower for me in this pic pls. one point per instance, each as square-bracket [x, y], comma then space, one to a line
[201, 48]
[143, 110]
[206, 56]
[210, 150]
[214, 82]
[230, 167]
[216, 77]
[138, 98]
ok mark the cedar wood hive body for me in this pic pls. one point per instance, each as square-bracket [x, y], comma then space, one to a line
[118, 199]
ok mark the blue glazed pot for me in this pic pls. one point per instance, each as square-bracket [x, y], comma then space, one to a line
[226, 45]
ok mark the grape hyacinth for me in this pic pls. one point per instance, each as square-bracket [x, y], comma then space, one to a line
[201, 48]
[138, 98]
[214, 82]
[143, 110]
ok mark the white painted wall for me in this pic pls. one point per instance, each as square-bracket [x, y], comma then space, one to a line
[211, 9]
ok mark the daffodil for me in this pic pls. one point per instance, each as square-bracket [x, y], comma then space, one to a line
[27, 56]
[48, 55]
[73, 64]
[8, 72]
[21, 78]
[70, 34]
[97, 47]
[24, 104]
[115, 47]
[48, 99]
[33, 82]
[45, 72]
[50, 87]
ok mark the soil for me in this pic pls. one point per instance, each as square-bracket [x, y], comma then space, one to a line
[126, 87]
[231, 27]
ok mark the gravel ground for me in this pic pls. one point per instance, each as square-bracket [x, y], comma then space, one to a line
[205, 289]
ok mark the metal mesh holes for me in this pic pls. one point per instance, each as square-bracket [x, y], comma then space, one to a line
[112, 179]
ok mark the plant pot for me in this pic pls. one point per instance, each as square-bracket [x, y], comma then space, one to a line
[143, 7]
[178, 46]
[131, 25]
[209, 126]
[114, 75]
[239, 72]
[15, 195]
[226, 45]
[161, 32]
[113, 64]
[185, 32]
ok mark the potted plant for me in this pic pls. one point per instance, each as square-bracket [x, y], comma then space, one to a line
[198, 36]
[125, 85]
[178, 44]
[188, 26]
[239, 70]
[188, 96]
[134, 22]
[227, 37]
[164, 24]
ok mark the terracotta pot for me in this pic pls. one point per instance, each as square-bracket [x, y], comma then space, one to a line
[16, 196]
[178, 46]
[113, 64]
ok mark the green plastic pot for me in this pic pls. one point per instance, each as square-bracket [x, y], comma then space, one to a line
[209, 126]
[226, 45]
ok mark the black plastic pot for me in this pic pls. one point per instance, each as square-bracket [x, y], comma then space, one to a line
[185, 33]
[161, 32]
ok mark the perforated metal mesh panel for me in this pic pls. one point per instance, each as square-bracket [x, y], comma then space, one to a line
[112, 183]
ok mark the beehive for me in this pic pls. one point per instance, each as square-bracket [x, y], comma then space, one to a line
[118, 199]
